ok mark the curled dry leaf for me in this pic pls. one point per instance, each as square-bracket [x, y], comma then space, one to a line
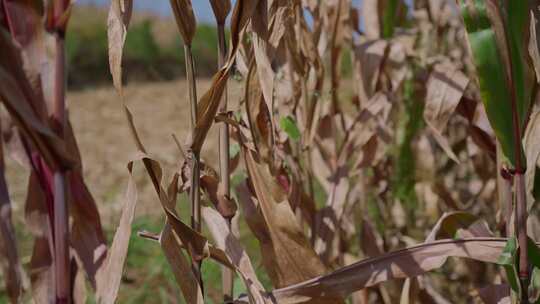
[449, 223]
[185, 19]
[213, 189]
[117, 24]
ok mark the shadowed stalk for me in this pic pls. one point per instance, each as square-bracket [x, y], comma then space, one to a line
[61, 222]
[224, 172]
[194, 195]
[521, 229]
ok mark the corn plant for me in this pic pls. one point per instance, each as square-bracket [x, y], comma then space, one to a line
[499, 35]
[60, 211]
[290, 140]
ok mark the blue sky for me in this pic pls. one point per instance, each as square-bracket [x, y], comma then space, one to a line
[202, 8]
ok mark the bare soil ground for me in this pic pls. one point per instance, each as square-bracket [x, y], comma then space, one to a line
[159, 110]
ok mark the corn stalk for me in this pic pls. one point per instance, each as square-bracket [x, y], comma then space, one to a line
[224, 172]
[58, 14]
[194, 195]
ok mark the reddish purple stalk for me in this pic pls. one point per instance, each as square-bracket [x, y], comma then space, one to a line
[61, 213]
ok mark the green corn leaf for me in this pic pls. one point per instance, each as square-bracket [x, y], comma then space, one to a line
[517, 34]
[289, 126]
[508, 255]
[508, 260]
[533, 252]
[498, 43]
[389, 18]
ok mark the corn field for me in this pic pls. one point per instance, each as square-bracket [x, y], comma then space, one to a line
[351, 198]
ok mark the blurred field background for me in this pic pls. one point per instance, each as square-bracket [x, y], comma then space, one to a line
[156, 92]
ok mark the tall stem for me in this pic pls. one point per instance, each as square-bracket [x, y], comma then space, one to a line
[521, 203]
[194, 195]
[61, 224]
[224, 172]
[190, 73]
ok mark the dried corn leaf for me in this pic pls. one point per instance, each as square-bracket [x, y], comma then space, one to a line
[213, 189]
[110, 273]
[180, 266]
[291, 258]
[86, 233]
[371, 18]
[260, 121]
[117, 24]
[230, 245]
[445, 88]
[9, 257]
[196, 244]
[405, 263]
[208, 105]
[532, 152]
[221, 9]
[19, 98]
[41, 272]
[449, 223]
[262, 51]
[252, 213]
[495, 294]
[371, 241]
[185, 19]
[37, 220]
[329, 219]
